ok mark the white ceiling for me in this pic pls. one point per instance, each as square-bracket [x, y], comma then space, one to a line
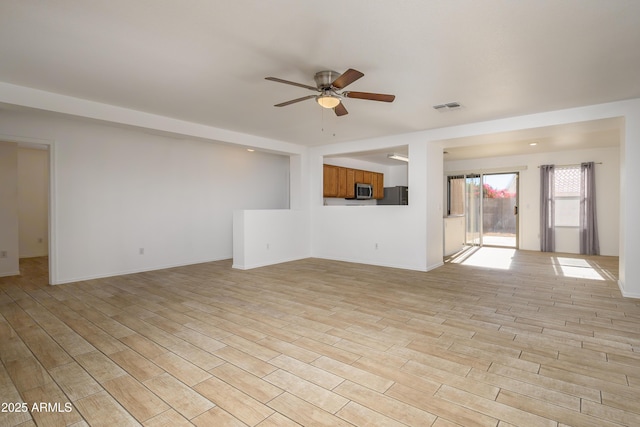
[380, 156]
[205, 60]
[582, 135]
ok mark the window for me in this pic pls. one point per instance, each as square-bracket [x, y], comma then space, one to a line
[455, 195]
[567, 196]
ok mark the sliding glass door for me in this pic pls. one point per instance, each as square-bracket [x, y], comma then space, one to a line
[500, 209]
[489, 203]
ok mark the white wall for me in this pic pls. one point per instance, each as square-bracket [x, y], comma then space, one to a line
[567, 239]
[397, 176]
[9, 265]
[118, 190]
[265, 237]
[379, 235]
[33, 201]
[630, 203]
[433, 204]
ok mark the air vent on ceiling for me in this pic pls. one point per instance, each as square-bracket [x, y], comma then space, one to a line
[448, 106]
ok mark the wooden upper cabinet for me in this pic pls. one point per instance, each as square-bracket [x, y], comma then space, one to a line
[378, 185]
[340, 182]
[351, 184]
[367, 177]
[359, 175]
[330, 181]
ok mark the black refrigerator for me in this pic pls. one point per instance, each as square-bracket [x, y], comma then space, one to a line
[398, 195]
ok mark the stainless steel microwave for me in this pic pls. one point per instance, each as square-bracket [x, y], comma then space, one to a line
[364, 191]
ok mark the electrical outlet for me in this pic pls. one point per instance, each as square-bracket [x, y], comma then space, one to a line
[268, 246]
[376, 246]
[141, 251]
[3, 254]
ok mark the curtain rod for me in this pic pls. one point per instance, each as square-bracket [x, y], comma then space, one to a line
[577, 164]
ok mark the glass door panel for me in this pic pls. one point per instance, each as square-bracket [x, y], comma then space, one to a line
[473, 204]
[499, 209]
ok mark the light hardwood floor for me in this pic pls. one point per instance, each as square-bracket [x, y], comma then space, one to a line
[547, 340]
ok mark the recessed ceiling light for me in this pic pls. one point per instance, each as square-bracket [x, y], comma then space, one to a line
[251, 150]
[533, 144]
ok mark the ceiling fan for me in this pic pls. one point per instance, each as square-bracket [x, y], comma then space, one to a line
[329, 84]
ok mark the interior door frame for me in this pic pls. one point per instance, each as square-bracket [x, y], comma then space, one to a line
[467, 209]
[48, 145]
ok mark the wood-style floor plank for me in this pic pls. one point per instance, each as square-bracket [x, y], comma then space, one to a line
[179, 396]
[314, 394]
[234, 401]
[102, 410]
[549, 341]
[75, 381]
[169, 418]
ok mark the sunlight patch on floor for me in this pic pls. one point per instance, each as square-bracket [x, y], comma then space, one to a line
[575, 267]
[498, 258]
[501, 258]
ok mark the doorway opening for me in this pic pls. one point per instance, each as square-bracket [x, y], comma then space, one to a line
[489, 204]
[33, 201]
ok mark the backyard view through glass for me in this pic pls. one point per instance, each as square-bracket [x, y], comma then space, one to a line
[499, 204]
[489, 204]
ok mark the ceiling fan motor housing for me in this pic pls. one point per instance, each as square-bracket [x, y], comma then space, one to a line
[324, 79]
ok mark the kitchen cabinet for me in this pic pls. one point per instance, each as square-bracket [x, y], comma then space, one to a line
[378, 185]
[351, 184]
[330, 181]
[340, 182]
[359, 175]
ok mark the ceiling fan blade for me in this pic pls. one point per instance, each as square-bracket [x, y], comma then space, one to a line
[287, 82]
[340, 110]
[370, 96]
[293, 101]
[347, 78]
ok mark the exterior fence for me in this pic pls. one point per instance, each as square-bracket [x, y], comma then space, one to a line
[498, 215]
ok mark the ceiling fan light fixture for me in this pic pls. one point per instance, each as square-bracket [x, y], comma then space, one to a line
[396, 156]
[328, 101]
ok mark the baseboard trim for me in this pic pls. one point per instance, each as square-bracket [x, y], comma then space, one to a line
[12, 273]
[433, 267]
[134, 271]
[265, 264]
[625, 293]
[368, 262]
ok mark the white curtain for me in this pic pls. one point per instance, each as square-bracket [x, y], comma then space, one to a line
[589, 244]
[547, 209]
